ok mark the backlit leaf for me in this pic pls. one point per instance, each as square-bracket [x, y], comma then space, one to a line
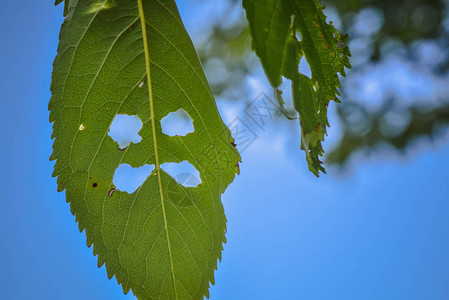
[163, 240]
[274, 26]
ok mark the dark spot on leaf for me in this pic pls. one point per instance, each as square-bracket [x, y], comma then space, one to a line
[234, 144]
[94, 185]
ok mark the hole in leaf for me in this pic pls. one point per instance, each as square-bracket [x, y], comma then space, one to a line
[129, 179]
[184, 173]
[341, 44]
[125, 130]
[177, 123]
[304, 67]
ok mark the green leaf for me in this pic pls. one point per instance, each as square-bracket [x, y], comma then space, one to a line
[163, 240]
[274, 25]
[66, 6]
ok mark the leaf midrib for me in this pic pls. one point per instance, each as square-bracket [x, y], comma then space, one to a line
[153, 126]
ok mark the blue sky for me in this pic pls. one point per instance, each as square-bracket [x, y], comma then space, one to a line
[378, 231]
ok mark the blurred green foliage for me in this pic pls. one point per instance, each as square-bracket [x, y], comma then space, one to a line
[377, 31]
[405, 26]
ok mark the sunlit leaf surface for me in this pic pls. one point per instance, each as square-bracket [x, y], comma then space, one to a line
[135, 58]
